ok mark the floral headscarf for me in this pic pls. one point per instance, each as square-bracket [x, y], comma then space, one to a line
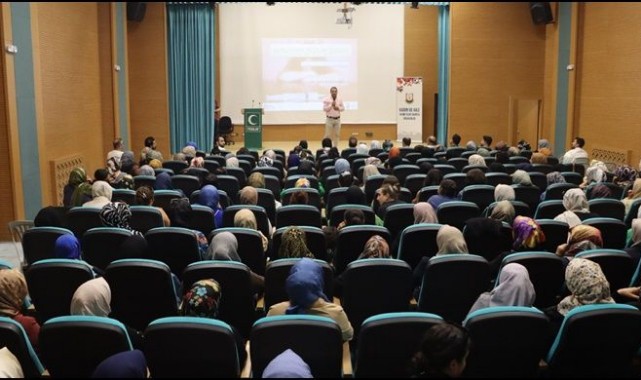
[203, 299]
[294, 244]
[375, 248]
[554, 177]
[587, 283]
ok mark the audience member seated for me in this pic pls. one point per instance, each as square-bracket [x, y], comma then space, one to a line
[446, 193]
[514, 289]
[287, 365]
[101, 192]
[294, 244]
[202, 301]
[94, 298]
[123, 365]
[304, 286]
[224, 246]
[587, 285]
[145, 197]
[13, 291]
[577, 208]
[77, 191]
[443, 352]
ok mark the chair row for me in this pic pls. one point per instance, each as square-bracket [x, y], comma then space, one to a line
[506, 342]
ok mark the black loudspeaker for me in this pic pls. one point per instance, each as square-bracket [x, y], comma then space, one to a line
[541, 12]
[136, 11]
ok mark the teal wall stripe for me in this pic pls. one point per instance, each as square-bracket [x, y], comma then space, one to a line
[443, 72]
[122, 95]
[26, 104]
[565, 34]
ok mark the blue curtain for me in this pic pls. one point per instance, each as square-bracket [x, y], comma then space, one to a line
[443, 72]
[191, 74]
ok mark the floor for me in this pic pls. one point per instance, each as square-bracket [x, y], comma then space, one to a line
[9, 254]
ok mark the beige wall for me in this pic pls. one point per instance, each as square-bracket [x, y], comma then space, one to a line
[496, 53]
[69, 79]
[421, 57]
[148, 87]
[608, 111]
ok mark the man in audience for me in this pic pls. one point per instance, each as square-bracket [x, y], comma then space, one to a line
[407, 142]
[116, 153]
[577, 153]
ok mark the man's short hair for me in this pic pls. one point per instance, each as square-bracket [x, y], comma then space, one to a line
[456, 139]
[353, 141]
[580, 141]
[149, 141]
[447, 188]
[407, 141]
[117, 142]
[487, 139]
[303, 144]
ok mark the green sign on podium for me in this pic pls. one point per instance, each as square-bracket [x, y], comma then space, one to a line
[253, 128]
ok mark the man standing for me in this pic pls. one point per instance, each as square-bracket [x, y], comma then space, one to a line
[576, 155]
[333, 105]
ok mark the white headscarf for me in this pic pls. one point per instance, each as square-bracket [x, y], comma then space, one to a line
[92, 298]
[514, 289]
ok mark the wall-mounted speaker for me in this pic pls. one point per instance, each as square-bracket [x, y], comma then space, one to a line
[136, 11]
[541, 12]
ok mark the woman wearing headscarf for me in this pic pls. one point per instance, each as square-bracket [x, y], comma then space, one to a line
[203, 301]
[544, 147]
[304, 286]
[93, 297]
[224, 246]
[503, 192]
[394, 158]
[245, 218]
[123, 365]
[117, 214]
[587, 285]
[209, 197]
[634, 248]
[582, 238]
[287, 365]
[448, 240]
[77, 190]
[294, 244]
[13, 291]
[67, 247]
[594, 174]
[342, 165]
[180, 213]
[163, 182]
[528, 236]
[476, 160]
[232, 162]
[147, 170]
[552, 178]
[514, 289]
[577, 208]
[503, 211]
[521, 177]
[369, 171]
[424, 213]
[633, 194]
[375, 248]
[101, 192]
